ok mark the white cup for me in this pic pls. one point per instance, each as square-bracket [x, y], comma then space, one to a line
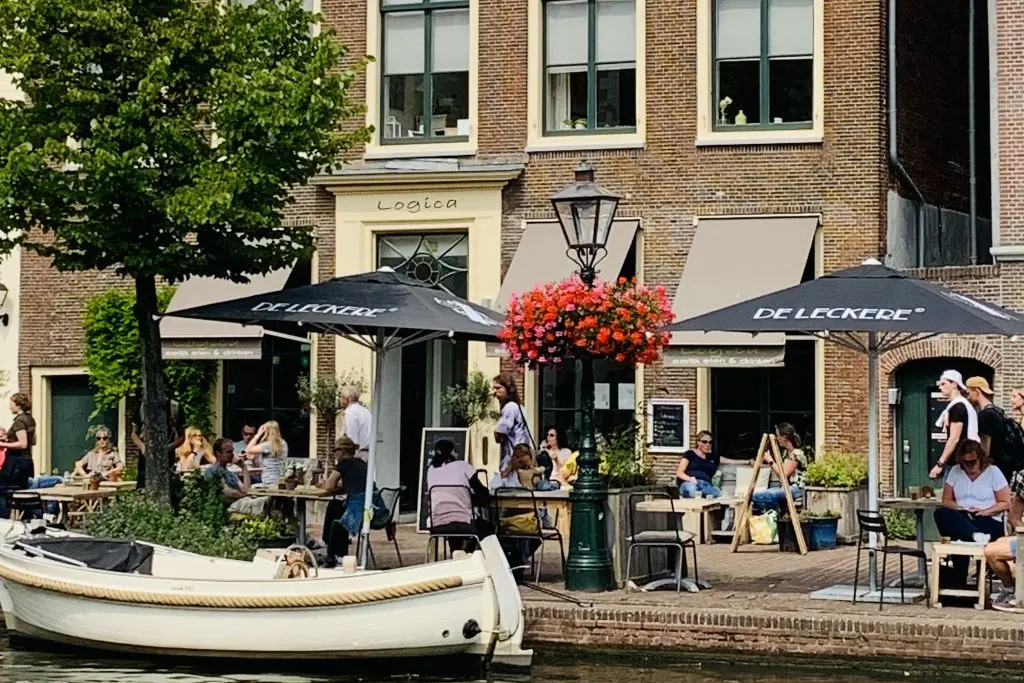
[981, 539]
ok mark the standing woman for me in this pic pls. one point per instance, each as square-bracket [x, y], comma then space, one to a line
[511, 429]
[273, 452]
[19, 440]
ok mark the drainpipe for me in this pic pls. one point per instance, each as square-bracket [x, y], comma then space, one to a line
[993, 117]
[972, 142]
[894, 156]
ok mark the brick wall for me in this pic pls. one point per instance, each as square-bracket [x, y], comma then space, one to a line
[1010, 70]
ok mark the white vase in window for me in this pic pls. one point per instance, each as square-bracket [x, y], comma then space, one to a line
[741, 118]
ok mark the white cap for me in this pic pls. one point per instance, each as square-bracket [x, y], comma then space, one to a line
[955, 377]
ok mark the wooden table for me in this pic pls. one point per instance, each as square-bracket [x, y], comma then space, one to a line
[701, 527]
[85, 500]
[300, 495]
[119, 485]
[557, 503]
[918, 507]
[975, 551]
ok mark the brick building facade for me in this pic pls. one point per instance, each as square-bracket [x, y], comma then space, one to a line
[479, 179]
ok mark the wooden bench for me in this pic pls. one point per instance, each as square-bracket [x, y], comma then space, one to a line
[975, 552]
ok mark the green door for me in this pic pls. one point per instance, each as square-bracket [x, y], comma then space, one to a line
[918, 443]
[71, 404]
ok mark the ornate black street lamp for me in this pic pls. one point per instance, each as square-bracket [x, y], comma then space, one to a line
[586, 211]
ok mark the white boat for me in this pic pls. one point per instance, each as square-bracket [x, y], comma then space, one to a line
[162, 601]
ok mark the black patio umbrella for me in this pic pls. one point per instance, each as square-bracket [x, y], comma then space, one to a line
[870, 309]
[381, 311]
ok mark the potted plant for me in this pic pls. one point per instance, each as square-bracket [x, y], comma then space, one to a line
[471, 401]
[294, 475]
[820, 528]
[838, 481]
[321, 396]
[575, 124]
[787, 534]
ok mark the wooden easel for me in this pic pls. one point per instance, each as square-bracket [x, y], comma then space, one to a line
[742, 520]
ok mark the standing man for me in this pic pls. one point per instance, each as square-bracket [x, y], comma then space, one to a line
[959, 420]
[358, 421]
[991, 423]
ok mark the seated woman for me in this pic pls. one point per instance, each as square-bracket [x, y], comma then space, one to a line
[103, 459]
[794, 466]
[553, 455]
[344, 518]
[194, 452]
[696, 468]
[451, 505]
[974, 498]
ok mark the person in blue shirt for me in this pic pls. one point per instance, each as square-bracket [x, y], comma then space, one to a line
[696, 469]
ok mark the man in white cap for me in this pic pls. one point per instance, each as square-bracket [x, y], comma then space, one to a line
[959, 418]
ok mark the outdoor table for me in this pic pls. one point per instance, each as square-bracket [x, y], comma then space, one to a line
[918, 507]
[975, 551]
[557, 504]
[119, 485]
[703, 506]
[85, 500]
[300, 495]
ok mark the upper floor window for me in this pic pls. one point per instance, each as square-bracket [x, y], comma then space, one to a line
[425, 70]
[763, 54]
[589, 66]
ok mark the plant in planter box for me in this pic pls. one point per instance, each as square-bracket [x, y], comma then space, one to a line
[837, 481]
[900, 525]
[471, 401]
[622, 462]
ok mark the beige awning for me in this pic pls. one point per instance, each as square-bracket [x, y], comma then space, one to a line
[541, 257]
[186, 338]
[737, 259]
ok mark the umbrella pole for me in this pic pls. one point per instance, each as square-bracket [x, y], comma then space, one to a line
[872, 454]
[371, 461]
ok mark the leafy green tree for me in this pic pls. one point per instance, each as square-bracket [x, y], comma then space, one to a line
[160, 138]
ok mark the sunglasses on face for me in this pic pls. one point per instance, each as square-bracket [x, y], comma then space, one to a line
[704, 441]
[103, 438]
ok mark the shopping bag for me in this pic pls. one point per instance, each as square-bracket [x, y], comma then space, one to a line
[764, 529]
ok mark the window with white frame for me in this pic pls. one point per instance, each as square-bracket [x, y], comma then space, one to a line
[425, 70]
[763, 64]
[589, 66]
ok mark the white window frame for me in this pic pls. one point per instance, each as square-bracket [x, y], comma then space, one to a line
[707, 136]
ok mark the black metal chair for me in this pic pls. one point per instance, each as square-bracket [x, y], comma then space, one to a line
[439, 533]
[508, 502]
[390, 496]
[673, 537]
[22, 504]
[870, 521]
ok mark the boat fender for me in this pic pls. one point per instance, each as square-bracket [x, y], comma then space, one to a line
[471, 629]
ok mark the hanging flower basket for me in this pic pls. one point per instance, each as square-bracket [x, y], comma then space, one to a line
[560, 321]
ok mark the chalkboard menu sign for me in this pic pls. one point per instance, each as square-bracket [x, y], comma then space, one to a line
[431, 435]
[668, 425]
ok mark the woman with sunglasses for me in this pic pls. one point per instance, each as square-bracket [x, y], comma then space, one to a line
[103, 459]
[697, 468]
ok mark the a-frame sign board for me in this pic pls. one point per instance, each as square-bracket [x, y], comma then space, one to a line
[768, 441]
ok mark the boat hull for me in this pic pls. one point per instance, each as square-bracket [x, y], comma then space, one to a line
[442, 609]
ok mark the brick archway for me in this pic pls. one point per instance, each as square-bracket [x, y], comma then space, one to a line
[939, 347]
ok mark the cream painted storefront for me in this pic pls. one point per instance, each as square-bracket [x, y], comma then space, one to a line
[441, 228]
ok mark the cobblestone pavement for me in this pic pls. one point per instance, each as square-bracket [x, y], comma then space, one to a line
[754, 579]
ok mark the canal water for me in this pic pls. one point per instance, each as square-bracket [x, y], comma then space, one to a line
[22, 665]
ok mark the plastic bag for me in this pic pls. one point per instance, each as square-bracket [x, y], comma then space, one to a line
[764, 529]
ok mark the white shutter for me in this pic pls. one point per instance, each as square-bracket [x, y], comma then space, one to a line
[738, 29]
[404, 44]
[565, 30]
[450, 41]
[616, 31]
[791, 24]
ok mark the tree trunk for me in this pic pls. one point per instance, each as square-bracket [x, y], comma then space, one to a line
[155, 404]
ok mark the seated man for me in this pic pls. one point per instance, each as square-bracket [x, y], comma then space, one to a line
[1001, 555]
[234, 491]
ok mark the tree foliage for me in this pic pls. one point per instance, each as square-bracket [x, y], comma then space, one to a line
[160, 139]
[113, 357]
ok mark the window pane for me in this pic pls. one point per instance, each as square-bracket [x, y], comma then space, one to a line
[450, 45]
[566, 105]
[559, 388]
[738, 29]
[736, 389]
[403, 43]
[565, 31]
[791, 387]
[740, 81]
[403, 106]
[451, 103]
[737, 435]
[790, 90]
[390, 3]
[616, 31]
[616, 96]
[791, 27]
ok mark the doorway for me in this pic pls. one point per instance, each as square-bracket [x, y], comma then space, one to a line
[918, 443]
[72, 402]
